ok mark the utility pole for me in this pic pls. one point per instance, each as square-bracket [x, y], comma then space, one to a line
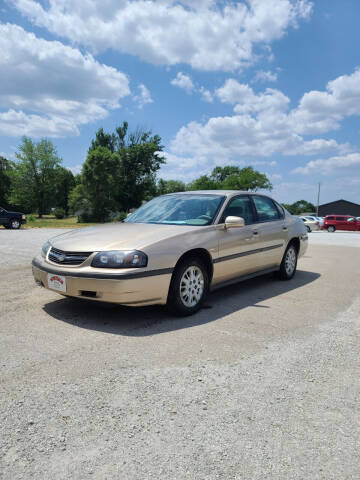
[318, 200]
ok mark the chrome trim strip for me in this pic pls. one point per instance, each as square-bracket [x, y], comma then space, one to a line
[248, 252]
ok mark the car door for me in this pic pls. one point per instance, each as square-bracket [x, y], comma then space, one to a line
[239, 252]
[272, 230]
[341, 223]
[351, 223]
[3, 218]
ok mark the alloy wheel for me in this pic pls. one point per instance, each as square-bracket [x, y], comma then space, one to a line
[191, 286]
[290, 261]
[15, 224]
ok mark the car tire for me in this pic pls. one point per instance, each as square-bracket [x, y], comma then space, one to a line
[14, 224]
[331, 228]
[289, 262]
[188, 288]
[308, 228]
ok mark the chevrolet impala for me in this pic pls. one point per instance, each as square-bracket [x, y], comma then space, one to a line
[174, 249]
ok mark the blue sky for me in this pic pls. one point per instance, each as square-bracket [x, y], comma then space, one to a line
[269, 83]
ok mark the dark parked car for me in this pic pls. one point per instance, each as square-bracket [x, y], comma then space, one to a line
[12, 220]
[340, 222]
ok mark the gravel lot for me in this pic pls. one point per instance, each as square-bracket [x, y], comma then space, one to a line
[262, 384]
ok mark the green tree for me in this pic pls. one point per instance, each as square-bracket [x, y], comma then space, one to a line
[243, 179]
[231, 178]
[301, 206]
[138, 158]
[203, 183]
[5, 181]
[170, 186]
[98, 183]
[102, 139]
[220, 174]
[64, 183]
[34, 176]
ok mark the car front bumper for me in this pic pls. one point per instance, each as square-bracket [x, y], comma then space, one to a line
[145, 288]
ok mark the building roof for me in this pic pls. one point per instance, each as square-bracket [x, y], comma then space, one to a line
[337, 201]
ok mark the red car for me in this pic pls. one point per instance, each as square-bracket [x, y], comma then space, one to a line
[340, 222]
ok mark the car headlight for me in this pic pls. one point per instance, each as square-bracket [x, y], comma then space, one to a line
[45, 249]
[23, 217]
[120, 259]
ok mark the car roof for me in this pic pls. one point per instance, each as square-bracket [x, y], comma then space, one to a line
[227, 193]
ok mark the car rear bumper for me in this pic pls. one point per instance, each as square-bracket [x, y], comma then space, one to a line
[141, 290]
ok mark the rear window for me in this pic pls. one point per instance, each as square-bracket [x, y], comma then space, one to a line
[330, 218]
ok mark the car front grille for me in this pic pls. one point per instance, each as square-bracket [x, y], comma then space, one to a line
[67, 258]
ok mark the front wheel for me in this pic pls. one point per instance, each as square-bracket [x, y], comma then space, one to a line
[308, 228]
[289, 263]
[189, 287]
[14, 224]
[331, 229]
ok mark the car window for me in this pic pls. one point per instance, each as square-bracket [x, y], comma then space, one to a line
[239, 207]
[330, 218]
[340, 219]
[351, 219]
[179, 209]
[265, 208]
[281, 209]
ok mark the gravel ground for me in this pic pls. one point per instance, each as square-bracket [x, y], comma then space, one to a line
[262, 384]
[340, 239]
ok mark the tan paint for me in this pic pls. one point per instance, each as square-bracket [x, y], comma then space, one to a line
[164, 245]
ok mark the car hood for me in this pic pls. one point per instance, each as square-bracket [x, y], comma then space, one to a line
[14, 213]
[117, 236]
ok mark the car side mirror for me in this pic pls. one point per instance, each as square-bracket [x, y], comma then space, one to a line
[234, 222]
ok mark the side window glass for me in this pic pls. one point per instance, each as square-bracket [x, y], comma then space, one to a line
[330, 218]
[265, 208]
[239, 207]
[280, 210]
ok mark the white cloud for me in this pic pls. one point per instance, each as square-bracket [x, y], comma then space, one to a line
[183, 81]
[144, 96]
[206, 95]
[330, 165]
[262, 125]
[206, 34]
[265, 76]
[247, 101]
[49, 89]
[320, 112]
[76, 169]
[184, 168]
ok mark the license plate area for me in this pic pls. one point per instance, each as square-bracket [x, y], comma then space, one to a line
[56, 282]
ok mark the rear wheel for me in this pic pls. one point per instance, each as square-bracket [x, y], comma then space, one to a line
[289, 262]
[331, 228]
[189, 287]
[14, 224]
[308, 228]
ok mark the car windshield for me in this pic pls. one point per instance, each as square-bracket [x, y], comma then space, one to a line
[179, 209]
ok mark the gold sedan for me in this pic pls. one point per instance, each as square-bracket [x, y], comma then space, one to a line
[174, 249]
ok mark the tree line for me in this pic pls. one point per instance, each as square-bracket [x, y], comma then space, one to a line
[119, 174]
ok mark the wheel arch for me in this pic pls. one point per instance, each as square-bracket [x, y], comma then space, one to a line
[200, 253]
[295, 241]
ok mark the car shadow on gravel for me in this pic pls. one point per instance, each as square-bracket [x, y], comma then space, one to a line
[145, 321]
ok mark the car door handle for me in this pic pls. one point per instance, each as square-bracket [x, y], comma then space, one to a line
[284, 228]
[255, 232]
